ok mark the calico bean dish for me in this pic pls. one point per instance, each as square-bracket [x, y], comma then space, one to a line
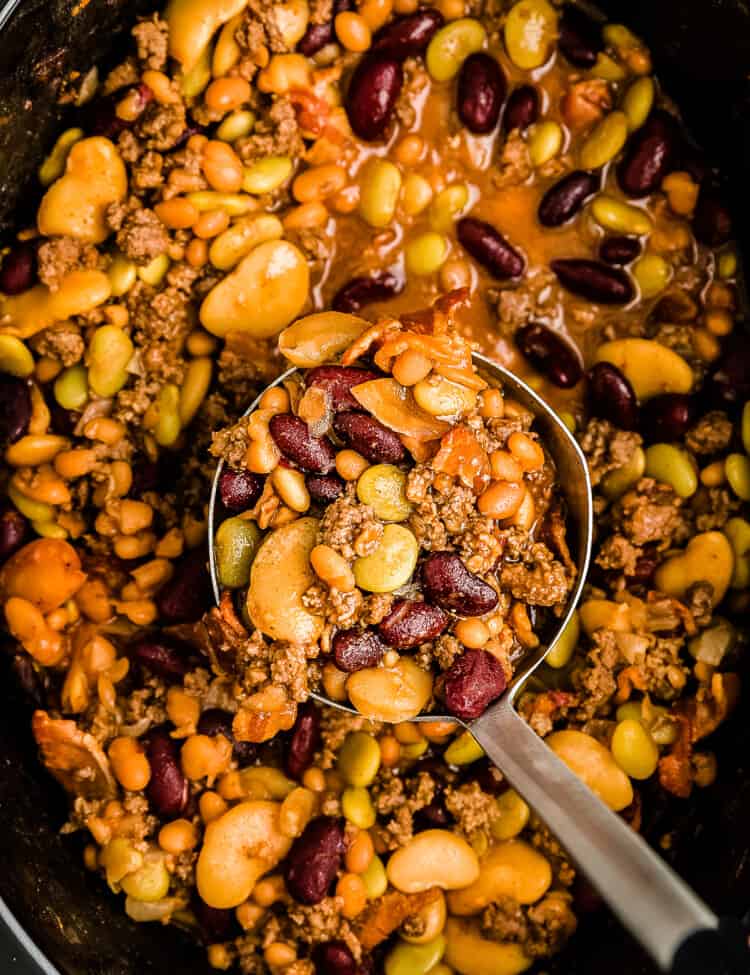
[250, 164]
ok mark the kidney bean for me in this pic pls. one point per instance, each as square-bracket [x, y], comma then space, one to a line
[373, 90]
[217, 721]
[324, 488]
[161, 655]
[712, 221]
[338, 381]
[433, 816]
[550, 354]
[34, 681]
[611, 397]
[239, 490]
[521, 109]
[619, 250]
[649, 155]
[304, 740]
[167, 789]
[369, 437]
[408, 36]
[102, 117]
[216, 923]
[595, 281]
[334, 958]
[13, 530]
[293, 438]
[412, 622]
[729, 381]
[18, 272]
[472, 683]
[488, 246]
[15, 409]
[481, 93]
[489, 777]
[188, 593]
[362, 291]
[315, 38]
[357, 649]
[580, 37]
[645, 566]
[64, 421]
[314, 859]
[562, 201]
[448, 583]
[667, 417]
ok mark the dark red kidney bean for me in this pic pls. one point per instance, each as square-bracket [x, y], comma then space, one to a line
[362, 291]
[645, 566]
[334, 958]
[489, 777]
[412, 622]
[550, 354]
[13, 530]
[369, 437]
[314, 860]
[324, 488]
[448, 583]
[712, 221]
[408, 36]
[239, 490]
[357, 649]
[666, 417]
[65, 421]
[432, 816]
[521, 109]
[488, 246]
[371, 97]
[649, 155]
[167, 789]
[317, 36]
[580, 37]
[293, 438]
[18, 272]
[338, 381]
[304, 740]
[34, 681]
[595, 281]
[729, 381]
[186, 596]
[15, 409]
[611, 397]
[619, 250]
[217, 721]
[481, 92]
[472, 683]
[215, 923]
[161, 655]
[562, 201]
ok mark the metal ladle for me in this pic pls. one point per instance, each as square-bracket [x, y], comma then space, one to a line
[656, 906]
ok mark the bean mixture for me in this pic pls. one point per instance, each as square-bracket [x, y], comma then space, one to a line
[402, 501]
[251, 174]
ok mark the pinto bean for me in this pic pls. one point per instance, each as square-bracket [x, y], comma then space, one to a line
[366, 290]
[357, 649]
[481, 92]
[412, 622]
[487, 246]
[611, 397]
[314, 860]
[472, 683]
[371, 98]
[293, 438]
[449, 584]
[369, 438]
[337, 382]
[562, 201]
[595, 281]
[552, 355]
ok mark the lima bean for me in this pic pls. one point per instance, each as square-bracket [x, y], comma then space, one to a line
[670, 465]
[237, 543]
[392, 563]
[383, 487]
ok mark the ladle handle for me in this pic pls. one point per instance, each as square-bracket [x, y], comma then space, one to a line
[652, 902]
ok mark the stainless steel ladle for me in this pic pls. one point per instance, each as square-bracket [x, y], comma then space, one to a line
[656, 906]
